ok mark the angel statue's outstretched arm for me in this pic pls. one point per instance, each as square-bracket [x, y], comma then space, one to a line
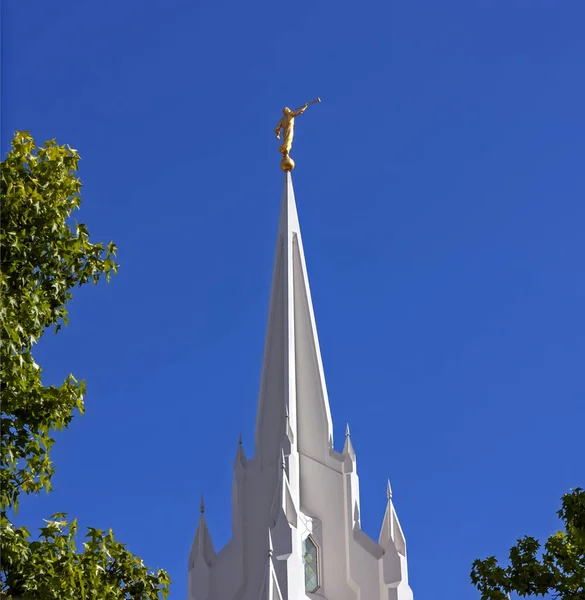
[300, 111]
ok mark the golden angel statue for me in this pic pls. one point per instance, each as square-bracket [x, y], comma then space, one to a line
[287, 126]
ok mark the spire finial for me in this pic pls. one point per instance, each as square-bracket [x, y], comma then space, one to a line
[347, 432]
[240, 438]
[286, 125]
[202, 505]
[389, 490]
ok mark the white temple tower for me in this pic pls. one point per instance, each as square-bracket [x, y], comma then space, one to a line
[295, 505]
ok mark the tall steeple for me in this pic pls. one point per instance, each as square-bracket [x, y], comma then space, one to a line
[292, 379]
[296, 529]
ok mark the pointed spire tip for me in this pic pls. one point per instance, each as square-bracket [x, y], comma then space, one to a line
[389, 490]
[202, 505]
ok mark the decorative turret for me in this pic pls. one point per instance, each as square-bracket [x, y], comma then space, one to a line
[202, 545]
[391, 532]
[348, 446]
[200, 559]
[240, 459]
[394, 566]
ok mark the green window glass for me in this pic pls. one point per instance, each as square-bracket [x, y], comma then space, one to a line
[311, 565]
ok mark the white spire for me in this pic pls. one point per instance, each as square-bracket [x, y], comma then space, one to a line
[292, 375]
[295, 504]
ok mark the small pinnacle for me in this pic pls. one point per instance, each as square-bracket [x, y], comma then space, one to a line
[240, 439]
[389, 491]
[270, 548]
[348, 446]
[282, 459]
[202, 505]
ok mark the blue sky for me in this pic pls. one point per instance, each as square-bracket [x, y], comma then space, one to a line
[440, 187]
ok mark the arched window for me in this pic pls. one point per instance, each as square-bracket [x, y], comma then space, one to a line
[310, 560]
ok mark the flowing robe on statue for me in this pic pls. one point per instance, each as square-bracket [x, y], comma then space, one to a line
[288, 130]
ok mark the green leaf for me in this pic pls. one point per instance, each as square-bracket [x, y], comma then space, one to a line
[558, 570]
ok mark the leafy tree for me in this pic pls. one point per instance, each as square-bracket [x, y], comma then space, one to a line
[44, 254]
[559, 570]
[51, 568]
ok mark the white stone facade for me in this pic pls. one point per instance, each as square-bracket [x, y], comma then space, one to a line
[295, 505]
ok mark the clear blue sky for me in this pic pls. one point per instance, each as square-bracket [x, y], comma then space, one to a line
[441, 189]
